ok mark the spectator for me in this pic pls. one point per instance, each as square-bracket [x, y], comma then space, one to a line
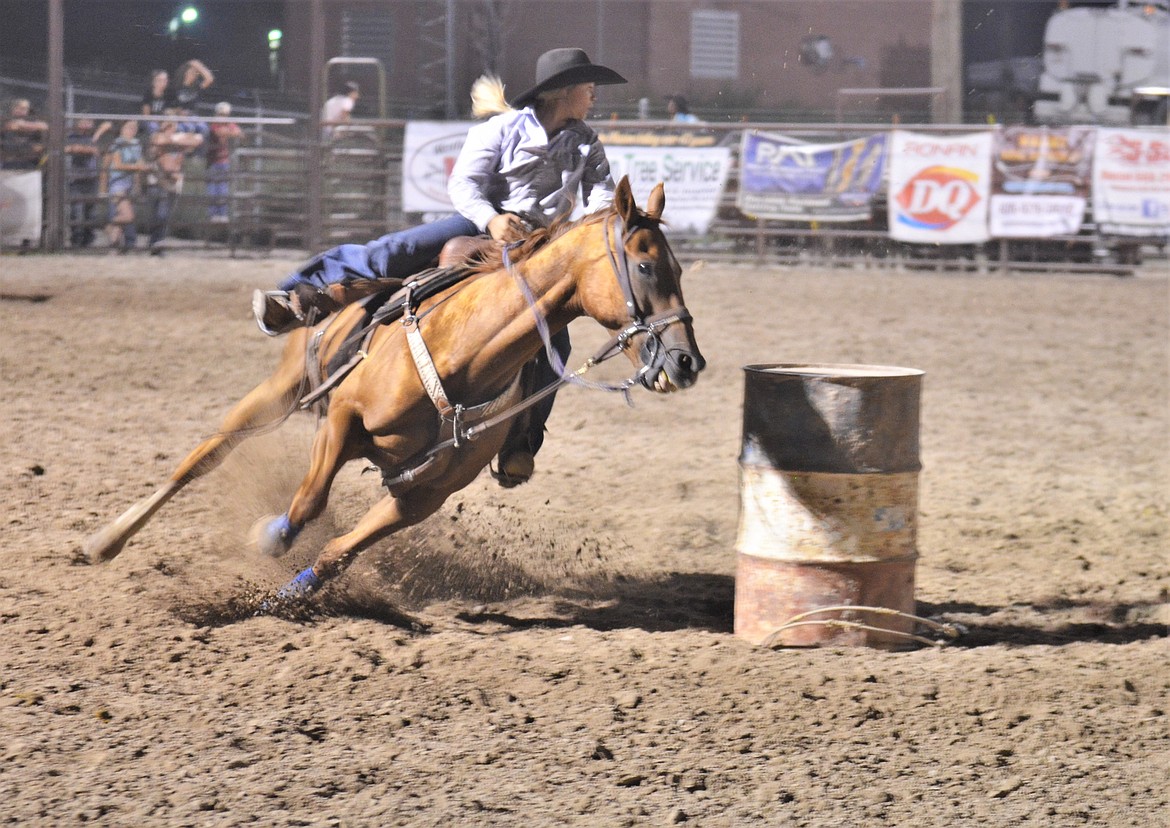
[168, 152]
[191, 81]
[156, 99]
[338, 110]
[219, 153]
[81, 148]
[680, 112]
[22, 138]
[120, 172]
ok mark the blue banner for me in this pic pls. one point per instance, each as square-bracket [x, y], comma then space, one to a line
[809, 182]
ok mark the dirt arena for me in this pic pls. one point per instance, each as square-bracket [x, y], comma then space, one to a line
[562, 654]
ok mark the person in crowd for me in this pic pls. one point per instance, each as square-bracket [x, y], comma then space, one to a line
[83, 151]
[679, 110]
[156, 98]
[338, 110]
[22, 137]
[123, 165]
[169, 148]
[221, 137]
[191, 80]
[520, 169]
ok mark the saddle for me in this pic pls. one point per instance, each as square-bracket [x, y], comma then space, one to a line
[385, 301]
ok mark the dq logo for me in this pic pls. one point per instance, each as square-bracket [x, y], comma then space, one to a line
[937, 198]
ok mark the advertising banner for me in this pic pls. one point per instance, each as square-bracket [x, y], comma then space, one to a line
[1040, 181]
[809, 182]
[694, 179]
[939, 187]
[20, 208]
[1131, 182]
[429, 150]
[694, 176]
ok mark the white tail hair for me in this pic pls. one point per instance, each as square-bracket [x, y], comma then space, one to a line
[487, 97]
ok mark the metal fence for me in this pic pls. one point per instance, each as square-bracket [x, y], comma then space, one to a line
[360, 179]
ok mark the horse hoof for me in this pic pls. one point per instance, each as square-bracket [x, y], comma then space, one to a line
[273, 536]
[299, 588]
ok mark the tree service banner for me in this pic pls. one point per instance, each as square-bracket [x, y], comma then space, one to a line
[429, 150]
[1040, 181]
[809, 182]
[939, 187]
[1131, 182]
[694, 179]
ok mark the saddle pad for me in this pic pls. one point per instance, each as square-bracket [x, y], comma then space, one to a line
[389, 305]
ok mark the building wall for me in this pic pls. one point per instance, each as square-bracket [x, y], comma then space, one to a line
[876, 43]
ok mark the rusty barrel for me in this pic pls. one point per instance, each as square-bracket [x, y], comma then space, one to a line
[828, 504]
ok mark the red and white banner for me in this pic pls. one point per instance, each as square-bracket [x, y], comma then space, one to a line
[1131, 182]
[429, 150]
[939, 187]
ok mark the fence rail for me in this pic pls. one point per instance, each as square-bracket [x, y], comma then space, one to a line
[361, 179]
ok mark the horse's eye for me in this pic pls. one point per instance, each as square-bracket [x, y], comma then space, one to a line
[644, 268]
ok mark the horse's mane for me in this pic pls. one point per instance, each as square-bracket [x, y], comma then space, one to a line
[493, 258]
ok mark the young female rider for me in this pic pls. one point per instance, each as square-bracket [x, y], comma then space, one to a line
[521, 168]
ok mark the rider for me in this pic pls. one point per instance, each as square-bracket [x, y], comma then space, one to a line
[520, 169]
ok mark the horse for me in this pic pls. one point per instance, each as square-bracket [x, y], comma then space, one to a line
[468, 343]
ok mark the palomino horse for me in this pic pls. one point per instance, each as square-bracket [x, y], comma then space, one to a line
[466, 344]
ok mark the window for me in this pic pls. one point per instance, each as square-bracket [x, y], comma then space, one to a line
[715, 44]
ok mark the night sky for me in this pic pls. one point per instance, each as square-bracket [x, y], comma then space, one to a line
[231, 36]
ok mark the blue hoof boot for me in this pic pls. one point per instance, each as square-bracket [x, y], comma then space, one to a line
[300, 587]
[275, 537]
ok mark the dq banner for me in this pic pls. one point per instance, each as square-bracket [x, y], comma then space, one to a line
[1040, 181]
[939, 187]
[1131, 182]
[694, 179]
[429, 150]
[806, 182]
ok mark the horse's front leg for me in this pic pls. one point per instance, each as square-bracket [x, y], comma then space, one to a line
[385, 518]
[265, 404]
[331, 451]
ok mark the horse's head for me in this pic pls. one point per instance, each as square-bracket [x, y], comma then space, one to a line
[644, 302]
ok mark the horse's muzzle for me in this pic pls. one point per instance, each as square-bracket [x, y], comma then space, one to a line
[669, 369]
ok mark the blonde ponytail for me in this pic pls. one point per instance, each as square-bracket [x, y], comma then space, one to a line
[487, 97]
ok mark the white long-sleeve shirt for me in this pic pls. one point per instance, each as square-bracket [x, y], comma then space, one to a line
[509, 165]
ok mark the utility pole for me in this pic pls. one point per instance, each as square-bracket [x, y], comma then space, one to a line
[316, 102]
[55, 164]
[946, 60]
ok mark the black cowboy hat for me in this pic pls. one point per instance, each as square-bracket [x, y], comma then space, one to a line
[558, 68]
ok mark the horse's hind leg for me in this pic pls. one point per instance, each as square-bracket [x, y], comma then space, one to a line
[267, 403]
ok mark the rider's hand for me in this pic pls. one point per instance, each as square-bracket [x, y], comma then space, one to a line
[506, 227]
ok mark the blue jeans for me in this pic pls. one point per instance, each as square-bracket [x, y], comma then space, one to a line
[217, 189]
[162, 207]
[395, 255]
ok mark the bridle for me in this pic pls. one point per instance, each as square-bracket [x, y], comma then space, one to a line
[654, 353]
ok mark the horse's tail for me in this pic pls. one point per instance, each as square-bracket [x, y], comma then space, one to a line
[487, 97]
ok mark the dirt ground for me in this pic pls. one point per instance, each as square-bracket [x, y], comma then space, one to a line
[562, 653]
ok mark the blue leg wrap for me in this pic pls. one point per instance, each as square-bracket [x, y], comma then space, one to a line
[277, 536]
[302, 586]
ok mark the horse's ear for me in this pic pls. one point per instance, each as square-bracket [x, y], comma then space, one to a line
[657, 201]
[623, 200]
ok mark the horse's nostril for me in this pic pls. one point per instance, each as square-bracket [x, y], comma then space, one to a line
[685, 362]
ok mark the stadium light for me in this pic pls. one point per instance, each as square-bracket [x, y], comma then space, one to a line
[189, 15]
[274, 36]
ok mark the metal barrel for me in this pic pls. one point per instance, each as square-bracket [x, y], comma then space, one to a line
[828, 505]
